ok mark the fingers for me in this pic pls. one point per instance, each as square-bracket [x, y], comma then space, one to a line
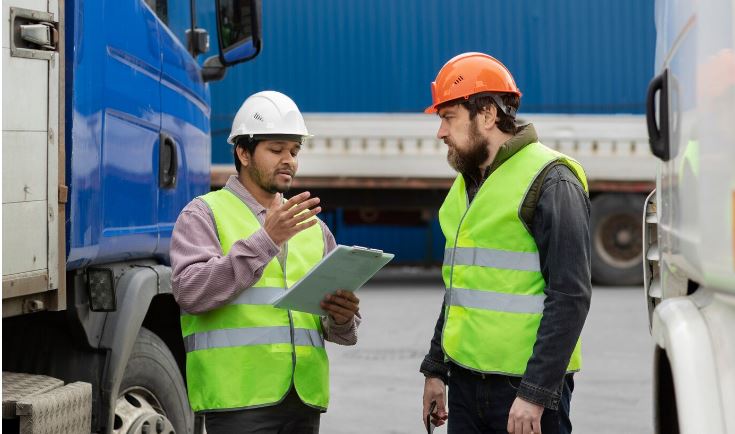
[427, 406]
[350, 302]
[276, 202]
[295, 200]
[306, 215]
[340, 314]
[536, 426]
[348, 295]
[440, 414]
[305, 225]
[300, 207]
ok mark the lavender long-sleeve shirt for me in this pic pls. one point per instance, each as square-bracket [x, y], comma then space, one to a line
[204, 279]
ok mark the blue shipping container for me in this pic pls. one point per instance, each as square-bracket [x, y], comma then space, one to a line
[568, 56]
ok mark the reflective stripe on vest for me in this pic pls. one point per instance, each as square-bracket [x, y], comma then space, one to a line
[526, 261]
[495, 289]
[262, 295]
[496, 301]
[252, 336]
[248, 353]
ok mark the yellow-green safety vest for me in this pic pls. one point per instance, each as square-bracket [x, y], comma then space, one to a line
[494, 286]
[247, 353]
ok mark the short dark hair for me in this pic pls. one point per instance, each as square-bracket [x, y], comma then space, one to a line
[475, 104]
[248, 144]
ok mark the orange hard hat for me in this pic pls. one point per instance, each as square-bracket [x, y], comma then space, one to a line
[469, 74]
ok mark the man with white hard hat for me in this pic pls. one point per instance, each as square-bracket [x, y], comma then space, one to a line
[251, 367]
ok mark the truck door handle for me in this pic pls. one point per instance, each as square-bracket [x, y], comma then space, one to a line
[658, 135]
[168, 162]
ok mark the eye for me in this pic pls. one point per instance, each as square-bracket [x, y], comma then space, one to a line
[294, 153]
[276, 150]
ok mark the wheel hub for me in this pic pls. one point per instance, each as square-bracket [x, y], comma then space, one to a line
[618, 240]
[137, 411]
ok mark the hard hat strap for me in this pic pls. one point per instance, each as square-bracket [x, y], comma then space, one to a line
[508, 110]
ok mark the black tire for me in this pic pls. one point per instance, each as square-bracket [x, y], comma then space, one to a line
[152, 372]
[617, 239]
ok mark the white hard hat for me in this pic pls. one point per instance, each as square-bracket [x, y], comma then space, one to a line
[268, 113]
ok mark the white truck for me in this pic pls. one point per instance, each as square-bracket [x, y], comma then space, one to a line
[689, 220]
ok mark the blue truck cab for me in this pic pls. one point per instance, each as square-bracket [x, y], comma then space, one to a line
[126, 139]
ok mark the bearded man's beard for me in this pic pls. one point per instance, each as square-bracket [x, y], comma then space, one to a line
[468, 161]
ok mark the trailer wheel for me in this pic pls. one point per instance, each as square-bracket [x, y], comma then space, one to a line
[152, 393]
[617, 239]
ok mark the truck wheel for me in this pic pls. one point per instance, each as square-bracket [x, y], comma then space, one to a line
[152, 393]
[617, 239]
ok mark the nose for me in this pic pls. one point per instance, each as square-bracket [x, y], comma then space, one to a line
[443, 131]
[288, 159]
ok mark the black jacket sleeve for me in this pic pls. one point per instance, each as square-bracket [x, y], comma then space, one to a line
[433, 364]
[561, 230]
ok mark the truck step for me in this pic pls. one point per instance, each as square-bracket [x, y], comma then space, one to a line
[45, 405]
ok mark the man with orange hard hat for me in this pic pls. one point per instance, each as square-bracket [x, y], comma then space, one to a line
[516, 264]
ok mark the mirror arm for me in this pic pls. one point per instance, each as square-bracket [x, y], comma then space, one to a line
[213, 69]
[190, 42]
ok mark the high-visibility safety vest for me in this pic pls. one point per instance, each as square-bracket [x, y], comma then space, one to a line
[247, 353]
[495, 289]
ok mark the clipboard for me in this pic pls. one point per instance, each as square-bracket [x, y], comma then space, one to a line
[343, 268]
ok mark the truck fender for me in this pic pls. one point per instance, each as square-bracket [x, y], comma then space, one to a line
[679, 328]
[134, 292]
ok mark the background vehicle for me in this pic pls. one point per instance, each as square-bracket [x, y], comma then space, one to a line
[361, 72]
[106, 136]
[689, 221]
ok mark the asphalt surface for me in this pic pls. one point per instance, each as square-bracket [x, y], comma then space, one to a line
[376, 386]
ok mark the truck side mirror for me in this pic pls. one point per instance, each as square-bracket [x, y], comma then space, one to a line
[238, 28]
[238, 34]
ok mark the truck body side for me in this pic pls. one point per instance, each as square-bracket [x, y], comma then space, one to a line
[689, 221]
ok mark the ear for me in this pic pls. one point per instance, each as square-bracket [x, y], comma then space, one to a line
[489, 117]
[243, 155]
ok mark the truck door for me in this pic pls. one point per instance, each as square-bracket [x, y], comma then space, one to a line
[131, 128]
[184, 153]
[32, 257]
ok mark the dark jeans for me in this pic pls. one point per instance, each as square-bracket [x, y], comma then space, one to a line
[480, 404]
[291, 416]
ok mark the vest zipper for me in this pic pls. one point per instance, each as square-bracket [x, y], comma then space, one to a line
[448, 301]
[290, 316]
[454, 249]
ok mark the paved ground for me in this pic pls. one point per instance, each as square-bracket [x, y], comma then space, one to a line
[376, 387]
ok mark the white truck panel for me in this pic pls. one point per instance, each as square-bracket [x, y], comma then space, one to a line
[24, 176]
[25, 243]
[25, 93]
[697, 205]
[31, 149]
[611, 148]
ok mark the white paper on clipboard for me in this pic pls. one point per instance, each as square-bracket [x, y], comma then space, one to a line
[343, 268]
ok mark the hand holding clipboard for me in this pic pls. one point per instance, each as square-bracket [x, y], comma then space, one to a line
[347, 268]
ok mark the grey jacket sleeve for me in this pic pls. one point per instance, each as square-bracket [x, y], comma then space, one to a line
[561, 230]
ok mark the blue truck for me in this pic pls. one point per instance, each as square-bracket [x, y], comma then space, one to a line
[106, 136]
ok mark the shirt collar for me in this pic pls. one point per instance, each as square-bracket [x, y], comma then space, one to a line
[234, 185]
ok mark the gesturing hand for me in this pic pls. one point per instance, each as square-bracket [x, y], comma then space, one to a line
[284, 220]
